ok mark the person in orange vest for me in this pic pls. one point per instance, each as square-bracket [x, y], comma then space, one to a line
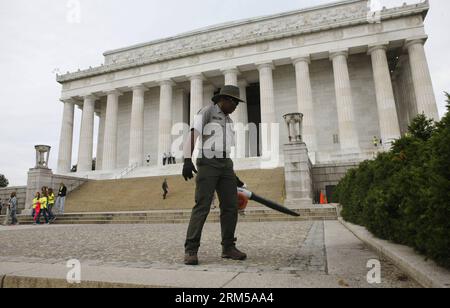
[323, 198]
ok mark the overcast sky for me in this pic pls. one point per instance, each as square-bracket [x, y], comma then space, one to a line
[38, 37]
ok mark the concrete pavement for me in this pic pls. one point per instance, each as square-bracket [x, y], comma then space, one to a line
[281, 254]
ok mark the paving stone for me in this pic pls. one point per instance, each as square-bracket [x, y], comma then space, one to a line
[283, 248]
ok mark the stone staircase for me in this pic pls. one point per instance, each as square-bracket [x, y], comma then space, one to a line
[145, 194]
[183, 216]
[139, 200]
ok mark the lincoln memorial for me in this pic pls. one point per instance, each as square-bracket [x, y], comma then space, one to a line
[354, 74]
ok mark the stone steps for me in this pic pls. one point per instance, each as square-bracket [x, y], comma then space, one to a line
[184, 217]
[181, 215]
[145, 194]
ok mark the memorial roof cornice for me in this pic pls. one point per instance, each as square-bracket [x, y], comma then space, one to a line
[244, 32]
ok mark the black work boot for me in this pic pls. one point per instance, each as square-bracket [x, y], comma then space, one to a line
[233, 253]
[191, 258]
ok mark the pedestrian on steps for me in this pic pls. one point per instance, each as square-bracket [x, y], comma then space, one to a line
[13, 208]
[165, 188]
[61, 199]
[51, 204]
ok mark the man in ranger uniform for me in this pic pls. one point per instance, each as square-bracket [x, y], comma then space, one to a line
[215, 173]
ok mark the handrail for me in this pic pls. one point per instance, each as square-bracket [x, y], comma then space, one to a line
[127, 171]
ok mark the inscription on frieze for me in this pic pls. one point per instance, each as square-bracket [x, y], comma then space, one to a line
[240, 34]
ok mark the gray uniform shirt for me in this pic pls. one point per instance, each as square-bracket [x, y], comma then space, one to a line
[217, 132]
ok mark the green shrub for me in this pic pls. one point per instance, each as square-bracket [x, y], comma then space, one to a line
[404, 195]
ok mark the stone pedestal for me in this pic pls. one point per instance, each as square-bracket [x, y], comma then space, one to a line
[37, 178]
[297, 175]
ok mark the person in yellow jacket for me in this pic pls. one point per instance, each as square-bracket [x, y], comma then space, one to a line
[43, 201]
[36, 206]
[51, 203]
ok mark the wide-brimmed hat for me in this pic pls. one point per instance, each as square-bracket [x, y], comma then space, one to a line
[228, 91]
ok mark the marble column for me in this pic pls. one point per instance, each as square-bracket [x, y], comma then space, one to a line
[196, 95]
[387, 111]
[231, 79]
[86, 135]
[242, 120]
[66, 137]
[347, 127]
[267, 105]
[165, 119]
[423, 86]
[231, 76]
[305, 102]
[180, 107]
[136, 151]
[240, 116]
[111, 124]
[402, 112]
[208, 93]
[409, 94]
[242, 109]
[100, 137]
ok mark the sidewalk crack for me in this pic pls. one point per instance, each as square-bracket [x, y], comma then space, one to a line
[223, 287]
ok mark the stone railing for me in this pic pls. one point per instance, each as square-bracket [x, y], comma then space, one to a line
[37, 178]
[21, 194]
[127, 171]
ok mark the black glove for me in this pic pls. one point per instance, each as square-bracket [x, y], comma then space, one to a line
[240, 184]
[189, 169]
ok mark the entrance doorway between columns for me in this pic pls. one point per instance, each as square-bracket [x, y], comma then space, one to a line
[254, 118]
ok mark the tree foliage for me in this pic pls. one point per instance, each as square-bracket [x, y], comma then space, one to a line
[3, 181]
[404, 195]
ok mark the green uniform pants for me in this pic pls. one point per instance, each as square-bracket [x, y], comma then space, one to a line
[214, 175]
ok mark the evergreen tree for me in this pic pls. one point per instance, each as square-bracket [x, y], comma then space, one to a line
[3, 181]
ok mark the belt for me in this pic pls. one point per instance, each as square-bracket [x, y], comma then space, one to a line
[215, 155]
